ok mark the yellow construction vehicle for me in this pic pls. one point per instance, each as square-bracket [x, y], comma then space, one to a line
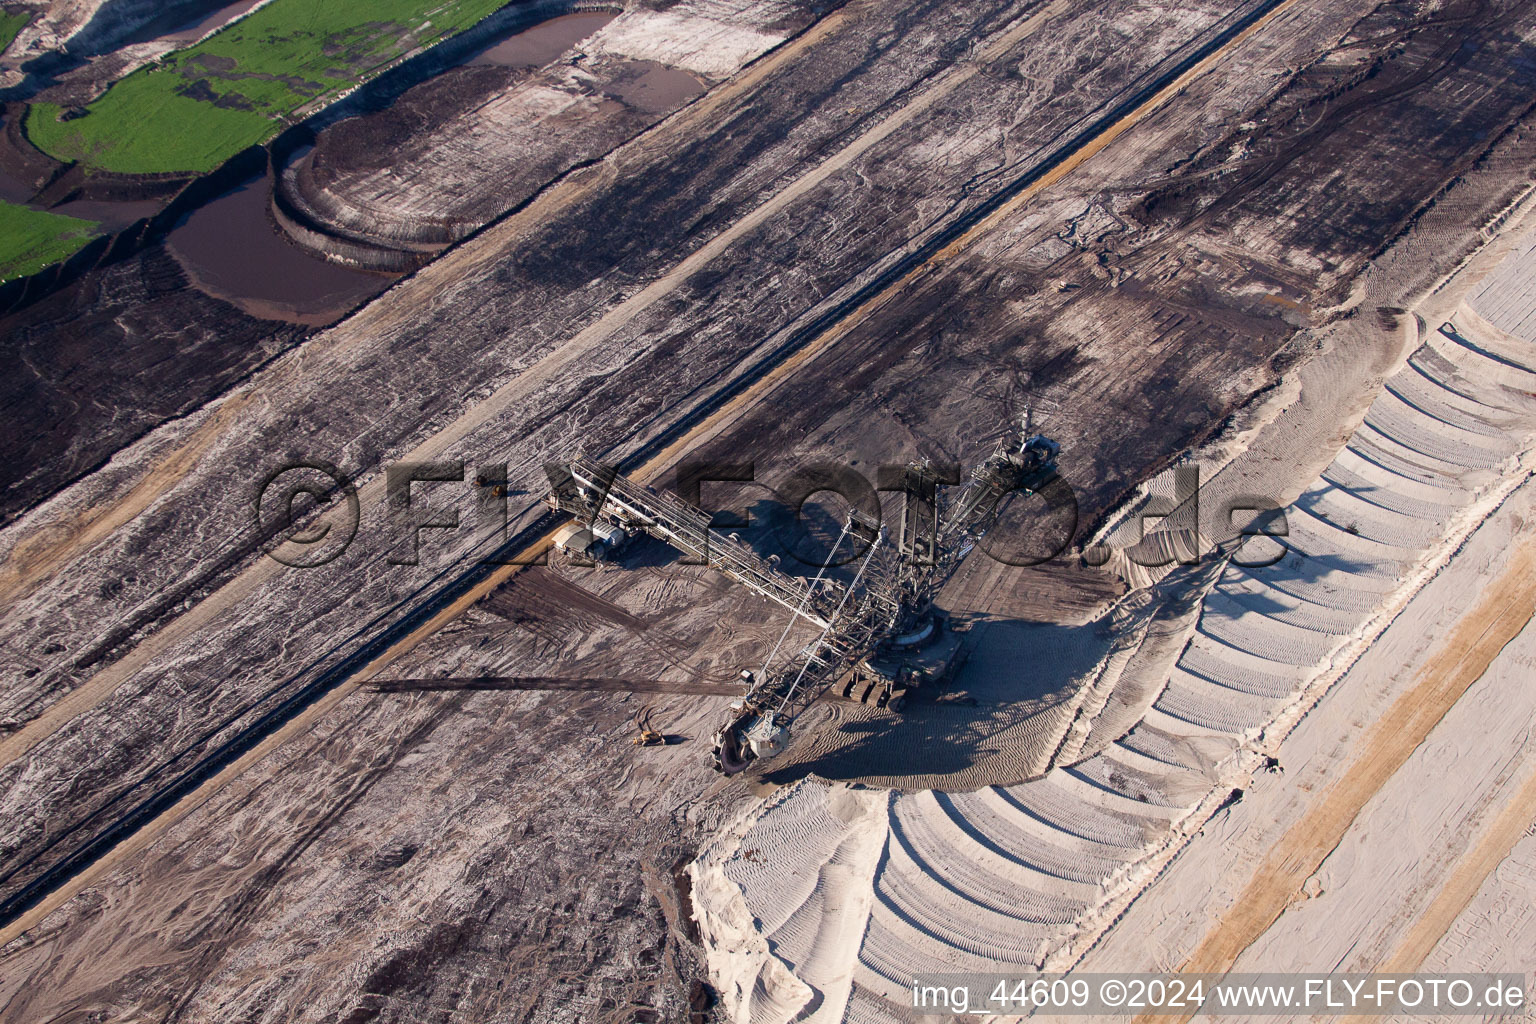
[647, 736]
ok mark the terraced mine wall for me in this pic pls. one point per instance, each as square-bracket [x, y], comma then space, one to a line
[305, 217]
[302, 228]
[306, 226]
[322, 222]
[1443, 444]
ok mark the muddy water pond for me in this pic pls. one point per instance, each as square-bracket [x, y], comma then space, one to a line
[654, 88]
[232, 250]
[194, 30]
[538, 45]
[185, 26]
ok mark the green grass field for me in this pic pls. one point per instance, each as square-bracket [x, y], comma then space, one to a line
[10, 24]
[32, 239]
[201, 105]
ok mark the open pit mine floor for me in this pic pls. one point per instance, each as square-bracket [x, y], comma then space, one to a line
[1219, 234]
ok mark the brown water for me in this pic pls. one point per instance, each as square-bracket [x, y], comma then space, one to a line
[111, 216]
[179, 29]
[192, 31]
[654, 88]
[534, 47]
[232, 250]
[13, 190]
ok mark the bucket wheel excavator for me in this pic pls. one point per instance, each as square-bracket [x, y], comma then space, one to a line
[872, 617]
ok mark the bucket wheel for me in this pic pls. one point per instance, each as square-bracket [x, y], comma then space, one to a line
[731, 756]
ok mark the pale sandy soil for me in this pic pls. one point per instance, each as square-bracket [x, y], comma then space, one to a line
[713, 38]
[1388, 840]
[1368, 888]
[1405, 842]
[1495, 930]
[1387, 455]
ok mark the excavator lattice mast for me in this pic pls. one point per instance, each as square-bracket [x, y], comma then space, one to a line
[886, 606]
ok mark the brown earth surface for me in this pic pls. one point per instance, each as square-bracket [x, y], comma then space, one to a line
[495, 855]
